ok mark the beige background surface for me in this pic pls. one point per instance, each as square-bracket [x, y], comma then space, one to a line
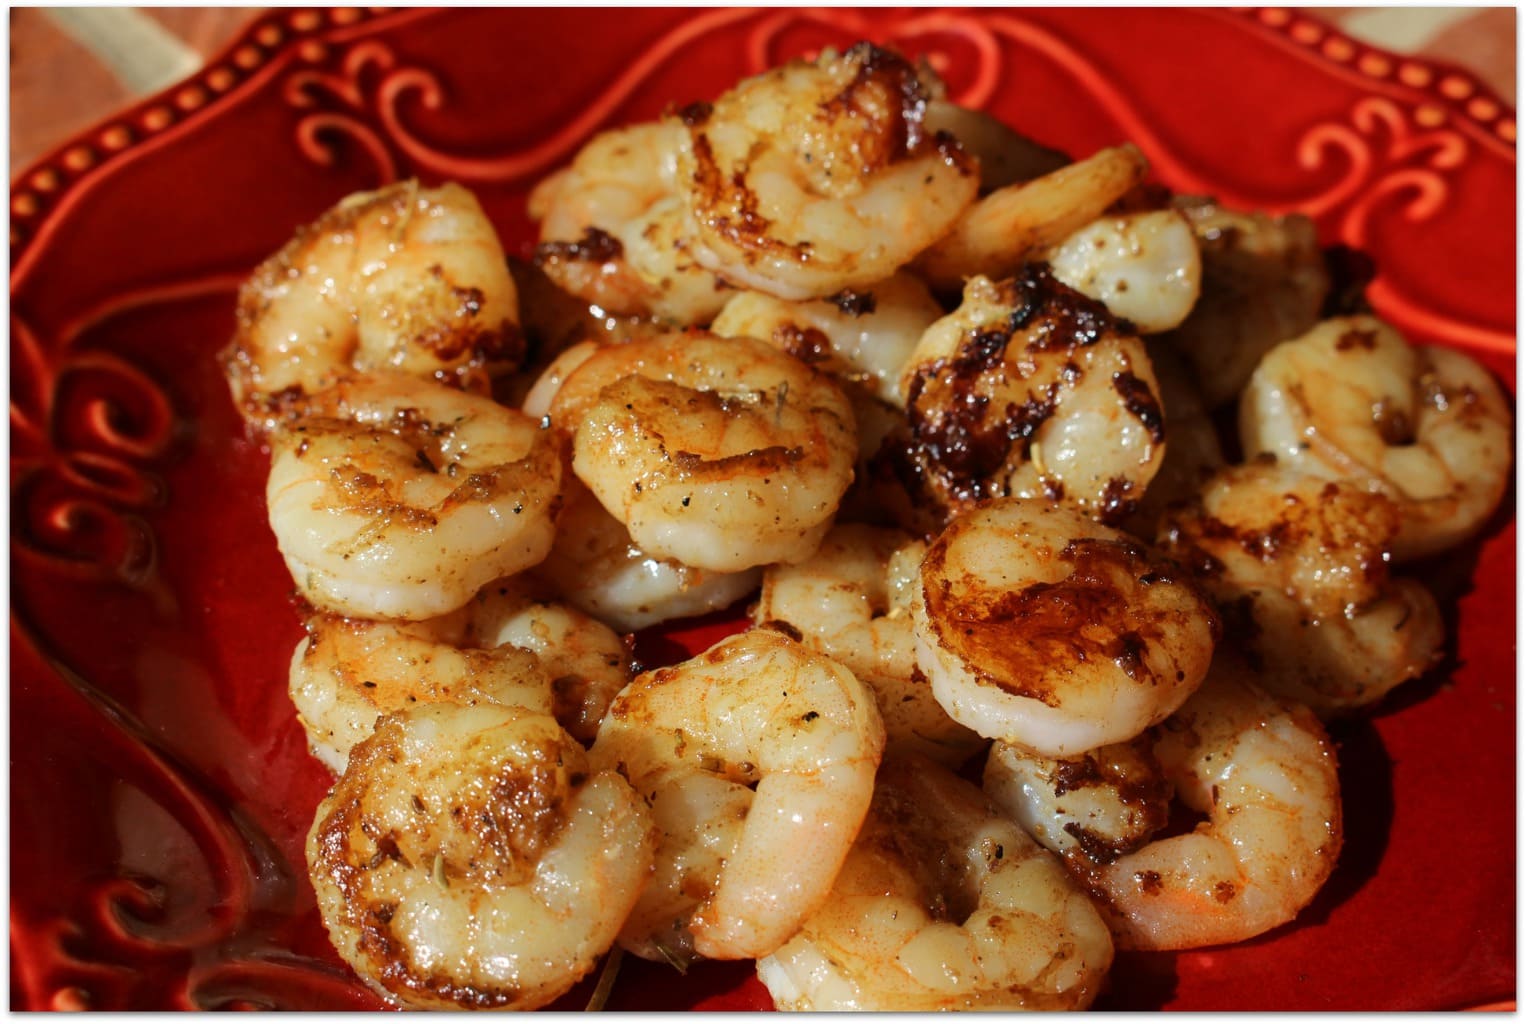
[73, 66]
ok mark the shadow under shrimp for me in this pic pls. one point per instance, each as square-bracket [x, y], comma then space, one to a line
[1139, 980]
[1148, 980]
[1367, 809]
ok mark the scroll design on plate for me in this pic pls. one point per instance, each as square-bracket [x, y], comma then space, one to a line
[87, 425]
[339, 102]
[88, 428]
[95, 961]
[1393, 170]
[364, 100]
[84, 430]
[1386, 157]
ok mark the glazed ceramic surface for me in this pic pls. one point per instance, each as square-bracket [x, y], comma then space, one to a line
[160, 785]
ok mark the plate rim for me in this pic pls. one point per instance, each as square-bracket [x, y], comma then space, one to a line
[43, 192]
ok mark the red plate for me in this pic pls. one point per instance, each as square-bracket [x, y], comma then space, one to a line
[159, 782]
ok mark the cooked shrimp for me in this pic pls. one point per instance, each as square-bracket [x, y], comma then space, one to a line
[818, 176]
[758, 759]
[861, 336]
[1427, 427]
[404, 278]
[470, 858]
[722, 454]
[584, 660]
[851, 601]
[1021, 222]
[537, 399]
[1102, 803]
[346, 673]
[942, 905]
[1300, 565]
[393, 497]
[1264, 773]
[1006, 157]
[1038, 627]
[1144, 267]
[596, 567]
[1264, 281]
[613, 229]
[1033, 390]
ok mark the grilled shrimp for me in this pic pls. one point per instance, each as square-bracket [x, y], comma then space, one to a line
[1097, 805]
[1299, 564]
[471, 858]
[1263, 281]
[393, 497]
[861, 336]
[851, 601]
[1038, 627]
[585, 662]
[1032, 390]
[405, 278]
[1022, 221]
[1427, 427]
[613, 229]
[1144, 267]
[596, 567]
[722, 454]
[1264, 773]
[942, 905]
[818, 176]
[346, 673]
[758, 759]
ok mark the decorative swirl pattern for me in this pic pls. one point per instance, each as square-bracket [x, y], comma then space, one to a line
[78, 478]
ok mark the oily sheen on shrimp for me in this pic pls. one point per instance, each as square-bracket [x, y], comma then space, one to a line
[817, 176]
[720, 453]
[404, 278]
[471, 858]
[1038, 627]
[394, 497]
[1030, 389]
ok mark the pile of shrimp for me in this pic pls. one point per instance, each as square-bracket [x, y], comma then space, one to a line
[944, 407]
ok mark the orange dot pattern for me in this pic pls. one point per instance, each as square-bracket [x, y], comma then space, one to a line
[1460, 94]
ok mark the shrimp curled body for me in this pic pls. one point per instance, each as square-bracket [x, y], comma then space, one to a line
[818, 176]
[469, 857]
[346, 673]
[738, 867]
[719, 453]
[394, 497]
[613, 231]
[943, 904]
[1299, 564]
[1033, 390]
[1038, 627]
[405, 279]
[1426, 426]
[851, 601]
[1264, 773]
